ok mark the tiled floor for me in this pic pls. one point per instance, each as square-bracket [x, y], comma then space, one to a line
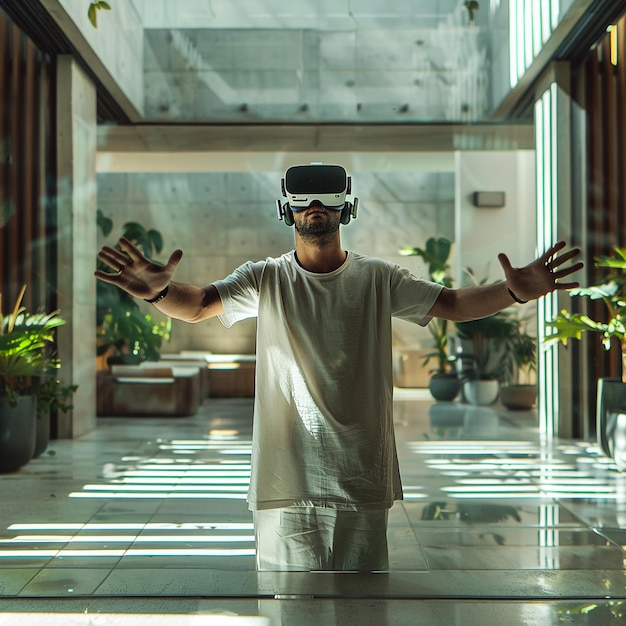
[145, 521]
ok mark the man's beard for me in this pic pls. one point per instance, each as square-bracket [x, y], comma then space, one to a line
[319, 231]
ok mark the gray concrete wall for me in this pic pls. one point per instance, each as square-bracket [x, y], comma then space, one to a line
[221, 219]
[76, 203]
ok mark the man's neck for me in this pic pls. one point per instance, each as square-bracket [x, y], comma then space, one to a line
[320, 258]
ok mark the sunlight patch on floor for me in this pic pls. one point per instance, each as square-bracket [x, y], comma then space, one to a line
[124, 619]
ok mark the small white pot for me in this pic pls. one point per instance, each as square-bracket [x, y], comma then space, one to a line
[481, 392]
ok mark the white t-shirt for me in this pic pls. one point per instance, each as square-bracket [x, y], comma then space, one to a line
[323, 417]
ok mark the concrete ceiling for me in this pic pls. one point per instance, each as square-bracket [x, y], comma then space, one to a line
[320, 15]
[355, 61]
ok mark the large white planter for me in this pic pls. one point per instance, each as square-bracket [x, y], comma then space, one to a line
[481, 392]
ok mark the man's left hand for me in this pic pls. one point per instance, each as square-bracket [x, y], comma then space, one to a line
[543, 275]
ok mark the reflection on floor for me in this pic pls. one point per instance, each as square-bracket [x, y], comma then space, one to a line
[146, 518]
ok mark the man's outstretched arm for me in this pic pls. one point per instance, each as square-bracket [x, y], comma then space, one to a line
[142, 278]
[544, 275]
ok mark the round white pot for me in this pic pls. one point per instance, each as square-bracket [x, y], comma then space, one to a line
[481, 392]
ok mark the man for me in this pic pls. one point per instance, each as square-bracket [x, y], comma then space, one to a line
[324, 463]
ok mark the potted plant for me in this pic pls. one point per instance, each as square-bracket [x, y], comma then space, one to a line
[444, 383]
[25, 356]
[129, 336]
[486, 339]
[611, 393]
[124, 333]
[613, 293]
[50, 395]
[518, 390]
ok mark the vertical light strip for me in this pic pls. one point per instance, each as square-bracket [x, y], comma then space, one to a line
[540, 154]
[551, 300]
[547, 425]
[549, 536]
[513, 45]
[531, 23]
[529, 27]
[546, 161]
[546, 30]
[556, 10]
[536, 28]
[613, 41]
[519, 26]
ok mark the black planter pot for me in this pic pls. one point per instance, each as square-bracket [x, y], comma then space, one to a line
[611, 419]
[125, 359]
[444, 387]
[42, 436]
[17, 433]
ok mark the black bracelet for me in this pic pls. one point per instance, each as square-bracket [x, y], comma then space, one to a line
[516, 298]
[158, 297]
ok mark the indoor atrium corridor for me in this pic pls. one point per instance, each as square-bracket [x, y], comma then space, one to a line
[147, 517]
[179, 184]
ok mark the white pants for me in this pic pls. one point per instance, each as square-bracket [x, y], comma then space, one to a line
[316, 538]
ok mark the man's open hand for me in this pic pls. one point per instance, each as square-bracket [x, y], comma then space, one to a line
[543, 275]
[133, 272]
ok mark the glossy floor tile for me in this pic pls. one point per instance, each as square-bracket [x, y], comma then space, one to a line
[311, 612]
[147, 517]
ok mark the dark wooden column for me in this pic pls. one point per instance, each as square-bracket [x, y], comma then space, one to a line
[26, 167]
[600, 89]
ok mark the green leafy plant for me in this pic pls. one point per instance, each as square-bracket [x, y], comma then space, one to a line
[519, 352]
[52, 395]
[132, 333]
[26, 348]
[435, 254]
[121, 326]
[92, 11]
[502, 347]
[491, 339]
[612, 293]
[104, 223]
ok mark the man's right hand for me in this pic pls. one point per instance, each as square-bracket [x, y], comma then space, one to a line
[133, 272]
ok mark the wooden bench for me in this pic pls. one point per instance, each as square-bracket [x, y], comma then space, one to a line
[181, 365]
[226, 375]
[159, 391]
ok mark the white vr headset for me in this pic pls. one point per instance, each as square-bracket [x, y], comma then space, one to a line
[326, 184]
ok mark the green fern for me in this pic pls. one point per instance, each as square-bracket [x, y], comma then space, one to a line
[26, 347]
[612, 292]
